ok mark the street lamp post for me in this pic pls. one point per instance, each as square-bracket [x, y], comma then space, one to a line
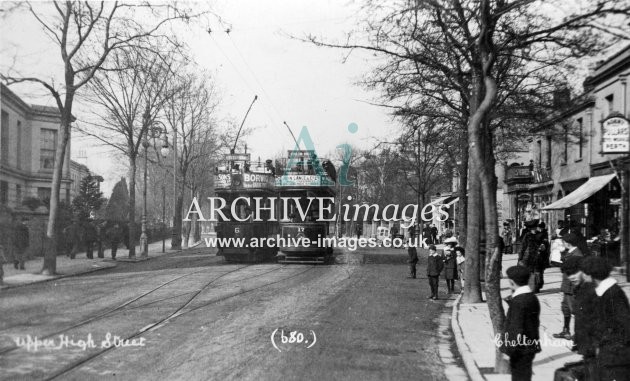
[153, 132]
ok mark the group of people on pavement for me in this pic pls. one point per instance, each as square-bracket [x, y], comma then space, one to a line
[599, 306]
[14, 240]
[449, 263]
[90, 235]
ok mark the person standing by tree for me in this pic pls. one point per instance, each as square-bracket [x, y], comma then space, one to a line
[450, 269]
[21, 242]
[520, 340]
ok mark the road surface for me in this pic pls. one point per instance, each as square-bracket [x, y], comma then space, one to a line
[191, 316]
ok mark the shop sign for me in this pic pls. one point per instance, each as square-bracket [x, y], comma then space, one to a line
[615, 135]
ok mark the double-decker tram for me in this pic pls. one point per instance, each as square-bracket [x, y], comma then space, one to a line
[305, 184]
[239, 183]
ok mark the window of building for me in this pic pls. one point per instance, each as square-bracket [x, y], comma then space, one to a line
[580, 127]
[47, 146]
[565, 153]
[539, 143]
[549, 152]
[4, 137]
[610, 103]
[19, 144]
[43, 193]
[4, 192]
[18, 194]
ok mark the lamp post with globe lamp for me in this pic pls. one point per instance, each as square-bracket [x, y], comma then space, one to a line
[153, 132]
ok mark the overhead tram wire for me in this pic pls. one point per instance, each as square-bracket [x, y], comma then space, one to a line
[247, 84]
[238, 51]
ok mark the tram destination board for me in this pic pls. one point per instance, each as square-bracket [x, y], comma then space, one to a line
[237, 157]
[245, 180]
[303, 181]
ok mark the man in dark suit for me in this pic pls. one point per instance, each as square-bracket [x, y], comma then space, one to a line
[584, 313]
[613, 322]
[530, 251]
[413, 260]
[434, 268]
[520, 340]
[570, 243]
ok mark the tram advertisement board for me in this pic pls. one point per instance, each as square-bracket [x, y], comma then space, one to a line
[303, 181]
[615, 135]
[245, 180]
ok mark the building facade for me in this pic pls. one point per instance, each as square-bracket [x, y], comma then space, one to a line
[28, 144]
[569, 177]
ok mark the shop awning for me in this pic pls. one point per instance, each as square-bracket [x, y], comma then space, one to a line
[451, 202]
[438, 201]
[585, 191]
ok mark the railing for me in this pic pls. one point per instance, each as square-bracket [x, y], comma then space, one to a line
[541, 175]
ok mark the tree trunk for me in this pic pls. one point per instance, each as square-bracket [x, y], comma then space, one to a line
[132, 207]
[462, 209]
[50, 255]
[494, 254]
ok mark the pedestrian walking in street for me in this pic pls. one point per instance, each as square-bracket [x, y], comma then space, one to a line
[434, 268]
[450, 269]
[460, 252]
[543, 254]
[6, 239]
[570, 242]
[20, 242]
[506, 234]
[530, 252]
[413, 260]
[434, 234]
[613, 322]
[520, 339]
[584, 313]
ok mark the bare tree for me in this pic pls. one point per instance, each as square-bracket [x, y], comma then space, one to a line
[86, 34]
[128, 99]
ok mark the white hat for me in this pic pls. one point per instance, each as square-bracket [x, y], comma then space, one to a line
[451, 240]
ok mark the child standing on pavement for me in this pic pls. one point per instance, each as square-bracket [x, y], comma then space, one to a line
[434, 268]
[520, 339]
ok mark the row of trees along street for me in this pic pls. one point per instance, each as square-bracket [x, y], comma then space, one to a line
[134, 75]
[475, 76]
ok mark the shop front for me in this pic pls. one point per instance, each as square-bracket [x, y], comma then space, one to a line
[593, 208]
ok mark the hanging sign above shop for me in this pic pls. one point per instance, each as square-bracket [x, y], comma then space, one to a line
[615, 134]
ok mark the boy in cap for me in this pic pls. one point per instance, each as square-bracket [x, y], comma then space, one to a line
[570, 243]
[613, 322]
[521, 338]
[434, 268]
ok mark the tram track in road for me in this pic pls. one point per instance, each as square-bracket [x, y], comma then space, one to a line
[178, 312]
[126, 305]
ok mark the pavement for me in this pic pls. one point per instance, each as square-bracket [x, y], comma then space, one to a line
[67, 267]
[474, 335]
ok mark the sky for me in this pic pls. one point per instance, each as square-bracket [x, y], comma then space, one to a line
[295, 81]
